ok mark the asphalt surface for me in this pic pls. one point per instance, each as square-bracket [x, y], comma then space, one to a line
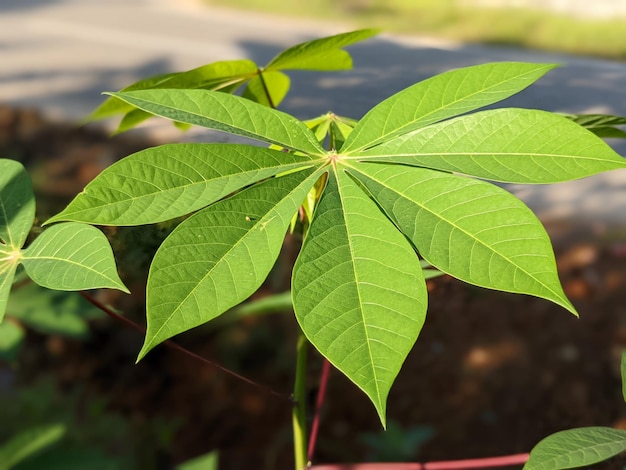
[60, 55]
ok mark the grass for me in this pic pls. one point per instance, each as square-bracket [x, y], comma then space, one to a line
[447, 19]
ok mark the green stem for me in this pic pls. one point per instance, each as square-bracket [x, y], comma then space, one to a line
[298, 415]
[265, 89]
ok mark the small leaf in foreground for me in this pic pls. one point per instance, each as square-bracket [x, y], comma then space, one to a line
[72, 256]
[575, 448]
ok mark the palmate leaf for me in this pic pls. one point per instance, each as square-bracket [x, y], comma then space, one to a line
[358, 289]
[226, 113]
[508, 145]
[320, 54]
[576, 448]
[165, 182]
[72, 256]
[467, 228]
[441, 97]
[220, 256]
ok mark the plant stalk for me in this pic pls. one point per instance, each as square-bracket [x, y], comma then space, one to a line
[298, 414]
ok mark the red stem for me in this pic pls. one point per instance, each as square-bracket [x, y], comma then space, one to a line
[517, 459]
[321, 394]
[172, 345]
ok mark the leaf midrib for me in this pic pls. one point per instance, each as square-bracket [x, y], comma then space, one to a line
[357, 285]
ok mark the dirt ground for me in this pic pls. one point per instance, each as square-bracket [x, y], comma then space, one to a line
[491, 374]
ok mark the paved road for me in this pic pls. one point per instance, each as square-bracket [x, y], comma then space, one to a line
[59, 55]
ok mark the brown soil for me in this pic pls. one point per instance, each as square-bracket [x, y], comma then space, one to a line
[491, 374]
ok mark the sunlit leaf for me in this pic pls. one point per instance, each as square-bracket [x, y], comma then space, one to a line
[441, 97]
[576, 448]
[272, 83]
[9, 259]
[220, 256]
[358, 289]
[602, 125]
[72, 256]
[226, 113]
[321, 54]
[470, 229]
[510, 145]
[168, 181]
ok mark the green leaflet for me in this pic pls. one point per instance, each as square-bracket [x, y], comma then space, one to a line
[443, 96]
[576, 448]
[72, 256]
[211, 76]
[220, 256]
[358, 289]
[602, 125]
[226, 113]
[165, 182]
[321, 54]
[17, 203]
[468, 228]
[509, 145]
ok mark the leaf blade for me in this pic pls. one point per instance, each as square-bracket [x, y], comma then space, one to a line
[576, 448]
[72, 256]
[165, 182]
[17, 203]
[508, 145]
[359, 309]
[469, 229]
[441, 97]
[218, 257]
[227, 113]
[321, 54]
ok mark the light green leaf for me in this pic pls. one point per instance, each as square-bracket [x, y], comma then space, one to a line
[203, 462]
[165, 182]
[17, 203]
[358, 289]
[441, 97]
[71, 257]
[220, 256]
[226, 113]
[470, 229]
[509, 145]
[9, 259]
[274, 83]
[29, 443]
[602, 125]
[321, 54]
[131, 119]
[11, 337]
[218, 75]
[576, 448]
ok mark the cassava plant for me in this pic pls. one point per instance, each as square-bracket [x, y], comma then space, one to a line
[408, 185]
